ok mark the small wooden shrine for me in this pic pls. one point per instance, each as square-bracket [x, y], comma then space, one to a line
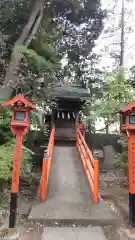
[69, 101]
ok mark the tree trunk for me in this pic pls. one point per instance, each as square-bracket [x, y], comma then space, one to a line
[29, 31]
[121, 67]
[107, 127]
[122, 35]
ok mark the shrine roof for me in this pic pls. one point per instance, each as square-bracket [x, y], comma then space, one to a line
[70, 92]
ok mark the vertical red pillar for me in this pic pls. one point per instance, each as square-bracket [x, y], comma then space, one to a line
[15, 179]
[44, 178]
[131, 173]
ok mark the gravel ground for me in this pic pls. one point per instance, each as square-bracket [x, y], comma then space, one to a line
[115, 183]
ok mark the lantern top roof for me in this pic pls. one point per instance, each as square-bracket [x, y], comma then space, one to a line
[19, 97]
[128, 107]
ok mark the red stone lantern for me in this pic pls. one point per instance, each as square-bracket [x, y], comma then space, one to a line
[20, 124]
[128, 127]
[128, 117]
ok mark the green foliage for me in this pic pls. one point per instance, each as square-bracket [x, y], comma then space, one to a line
[81, 23]
[116, 92]
[132, 75]
[5, 132]
[121, 159]
[13, 16]
[37, 63]
[40, 61]
[90, 124]
[36, 119]
[6, 160]
[7, 142]
[68, 27]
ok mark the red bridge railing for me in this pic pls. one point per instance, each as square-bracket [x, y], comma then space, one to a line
[91, 166]
[46, 166]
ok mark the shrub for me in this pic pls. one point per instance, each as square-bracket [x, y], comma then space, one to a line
[121, 159]
[6, 160]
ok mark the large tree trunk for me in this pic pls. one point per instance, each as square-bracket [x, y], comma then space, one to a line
[29, 31]
[122, 34]
[121, 67]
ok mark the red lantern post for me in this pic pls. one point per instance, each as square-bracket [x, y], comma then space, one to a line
[20, 124]
[128, 127]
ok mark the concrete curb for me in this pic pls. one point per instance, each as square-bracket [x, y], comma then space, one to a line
[76, 222]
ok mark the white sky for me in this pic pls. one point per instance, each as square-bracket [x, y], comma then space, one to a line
[104, 45]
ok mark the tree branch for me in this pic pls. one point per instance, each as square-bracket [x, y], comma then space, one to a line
[35, 28]
[29, 31]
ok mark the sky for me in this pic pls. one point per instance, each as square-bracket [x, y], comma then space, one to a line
[103, 45]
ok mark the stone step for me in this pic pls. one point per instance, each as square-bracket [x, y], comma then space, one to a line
[64, 233]
[79, 233]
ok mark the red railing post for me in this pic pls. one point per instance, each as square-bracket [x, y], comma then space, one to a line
[96, 182]
[91, 166]
[77, 137]
[44, 177]
[46, 167]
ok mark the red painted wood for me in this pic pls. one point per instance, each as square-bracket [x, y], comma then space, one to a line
[16, 163]
[19, 97]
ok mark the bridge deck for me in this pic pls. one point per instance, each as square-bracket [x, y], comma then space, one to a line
[69, 196]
